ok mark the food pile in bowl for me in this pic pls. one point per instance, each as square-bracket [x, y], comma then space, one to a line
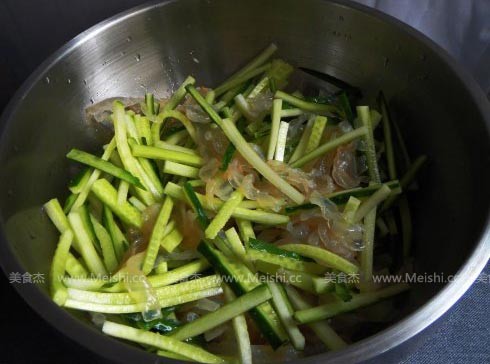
[240, 223]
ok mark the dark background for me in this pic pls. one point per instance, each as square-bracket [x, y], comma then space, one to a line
[31, 30]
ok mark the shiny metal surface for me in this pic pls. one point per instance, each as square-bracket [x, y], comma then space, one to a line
[154, 47]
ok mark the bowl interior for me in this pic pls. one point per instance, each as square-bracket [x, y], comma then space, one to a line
[153, 49]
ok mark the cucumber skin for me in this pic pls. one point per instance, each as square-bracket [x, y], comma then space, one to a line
[259, 314]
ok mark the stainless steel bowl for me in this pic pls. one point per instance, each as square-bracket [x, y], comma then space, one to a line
[442, 112]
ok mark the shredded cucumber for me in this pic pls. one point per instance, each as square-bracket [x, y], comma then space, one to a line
[160, 342]
[172, 207]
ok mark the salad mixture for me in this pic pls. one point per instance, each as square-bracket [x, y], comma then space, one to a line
[240, 223]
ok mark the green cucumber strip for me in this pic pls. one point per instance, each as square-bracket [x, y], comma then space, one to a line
[273, 249]
[108, 195]
[166, 155]
[56, 215]
[85, 190]
[323, 257]
[136, 203]
[163, 302]
[228, 156]
[230, 310]
[85, 244]
[295, 278]
[179, 273]
[222, 245]
[299, 151]
[161, 267]
[150, 104]
[386, 119]
[244, 89]
[179, 94]
[177, 148]
[242, 280]
[316, 134]
[246, 150]
[160, 342]
[105, 241]
[288, 263]
[119, 241]
[77, 183]
[196, 205]
[210, 96]
[342, 197]
[74, 268]
[350, 208]
[176, 137]
[143, 127]
[373, 201]
[178, 169]
[406, 179]
[282, 306]
[164, 279]
[228, 85]
[359, 300]
[84, 284]
[172, 240]
[157, 235]
[256, 62]
[259, 87]
[197, 183]
[281, 141]
[89, 227]
[305, 105]
[104, 166]
[322, 285]
[150, 169]
[128, 160]
[122, 192]
[244, 109]
[365, 118]
[70, 200]
[235, 243]
[321, 328]
[175, 114]
[279, 74]
[246, 230]
[124, 298]
[289, 113]
[223, 215]
[332, 144]
[262, 217]
[299, 279]
[239, 324]
[57, 272]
